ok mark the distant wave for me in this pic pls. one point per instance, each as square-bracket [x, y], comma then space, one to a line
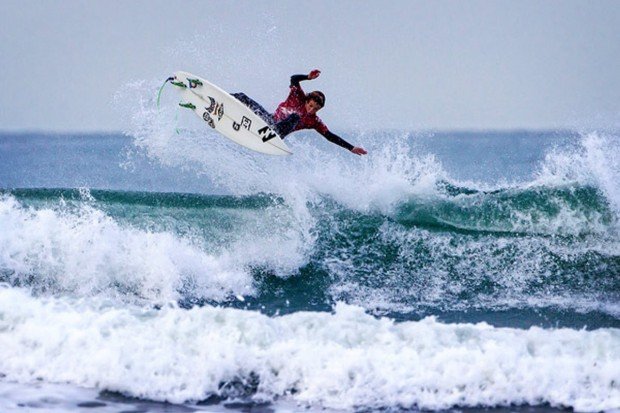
[565, 210]
[153, 199]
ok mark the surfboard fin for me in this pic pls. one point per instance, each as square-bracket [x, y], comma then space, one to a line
[179, 84]
[187, 105]
[193, 83]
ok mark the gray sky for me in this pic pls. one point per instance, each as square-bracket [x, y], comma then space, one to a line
[394, 64]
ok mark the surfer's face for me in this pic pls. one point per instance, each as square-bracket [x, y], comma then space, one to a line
[312, 107]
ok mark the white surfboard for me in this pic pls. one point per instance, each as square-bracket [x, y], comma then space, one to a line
[227, 115]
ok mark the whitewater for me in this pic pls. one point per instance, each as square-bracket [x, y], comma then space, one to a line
[442, 271]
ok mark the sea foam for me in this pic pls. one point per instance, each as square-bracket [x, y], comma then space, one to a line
[345, 359]
[86, 252]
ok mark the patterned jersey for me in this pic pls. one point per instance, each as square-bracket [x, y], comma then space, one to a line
[295, 103]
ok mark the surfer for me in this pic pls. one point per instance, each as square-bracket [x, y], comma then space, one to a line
[298, 112]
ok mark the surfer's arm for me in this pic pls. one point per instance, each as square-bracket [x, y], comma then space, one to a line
[295, 79]
[321, 128]
[333, 138]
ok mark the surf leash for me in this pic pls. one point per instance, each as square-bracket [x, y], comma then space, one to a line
[170, 79]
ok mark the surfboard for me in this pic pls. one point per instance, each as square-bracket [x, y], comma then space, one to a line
[231, 118]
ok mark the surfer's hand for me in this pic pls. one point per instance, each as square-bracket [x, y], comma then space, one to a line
[359, 151]
[314, 74]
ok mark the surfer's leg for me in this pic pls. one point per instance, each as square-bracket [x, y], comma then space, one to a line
[254, 106]
[287, 125]
[243, 98]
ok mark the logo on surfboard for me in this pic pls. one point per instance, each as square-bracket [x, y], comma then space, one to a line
[208, 119]
[246, 123]
[215, 108]
[266, 133]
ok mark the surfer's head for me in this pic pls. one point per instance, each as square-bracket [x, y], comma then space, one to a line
[314, 102]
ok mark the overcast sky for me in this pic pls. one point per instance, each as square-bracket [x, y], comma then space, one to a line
[393, 64]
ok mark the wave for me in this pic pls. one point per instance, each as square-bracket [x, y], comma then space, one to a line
[393, 233]
[86, 252]
[460, 249]
[344, 360]
[566, 210]
[53, 196]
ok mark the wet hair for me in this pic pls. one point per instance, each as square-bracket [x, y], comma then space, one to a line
[317, 96]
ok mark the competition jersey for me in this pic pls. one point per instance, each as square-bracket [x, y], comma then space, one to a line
[295, 103]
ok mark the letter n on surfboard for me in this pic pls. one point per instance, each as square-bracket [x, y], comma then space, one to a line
[266, 133]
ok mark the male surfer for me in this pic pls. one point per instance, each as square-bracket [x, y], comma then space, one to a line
[298, 112]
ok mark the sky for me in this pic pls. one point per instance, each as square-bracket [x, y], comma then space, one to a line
[396, 64]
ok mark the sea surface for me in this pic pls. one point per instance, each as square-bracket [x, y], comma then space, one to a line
[164, 268]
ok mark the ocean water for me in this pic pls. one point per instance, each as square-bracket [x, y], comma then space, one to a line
[166, 269]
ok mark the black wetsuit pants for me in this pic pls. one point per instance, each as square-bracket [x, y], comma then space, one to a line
[283, 128]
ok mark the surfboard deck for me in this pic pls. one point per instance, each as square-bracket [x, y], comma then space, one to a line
[231, 118]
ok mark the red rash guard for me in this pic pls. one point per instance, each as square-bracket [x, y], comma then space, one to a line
[295, 103]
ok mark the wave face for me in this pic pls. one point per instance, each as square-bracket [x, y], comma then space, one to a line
[525, 247]
[442, 271]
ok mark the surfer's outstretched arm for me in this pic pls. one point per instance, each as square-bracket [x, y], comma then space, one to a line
[333, 138]
[312, 103]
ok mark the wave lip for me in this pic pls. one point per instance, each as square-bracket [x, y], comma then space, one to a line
[564, 211]
[86, 252]
[346, 359]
